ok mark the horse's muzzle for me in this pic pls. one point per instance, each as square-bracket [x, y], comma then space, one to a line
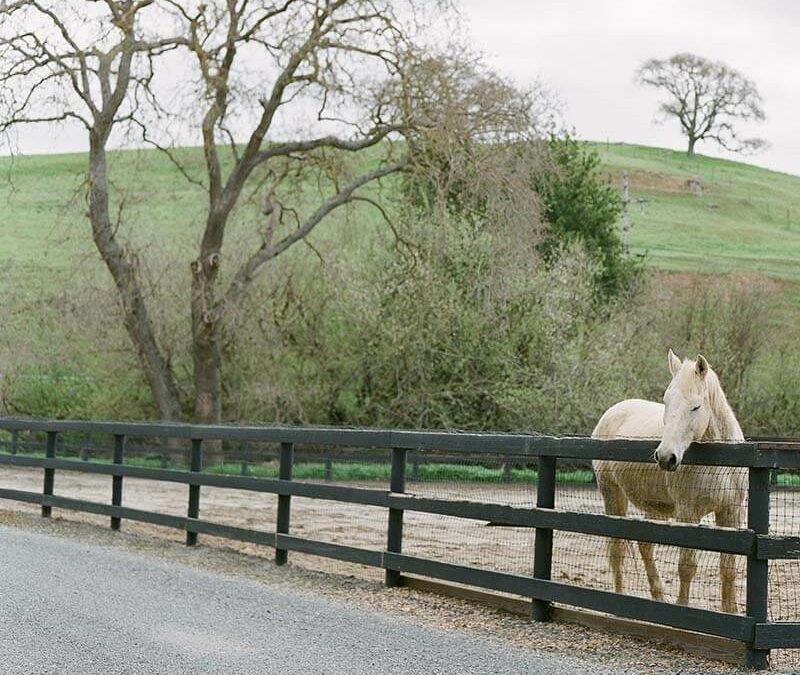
[668, 463]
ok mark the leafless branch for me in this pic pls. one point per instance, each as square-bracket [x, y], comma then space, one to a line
[268, 250]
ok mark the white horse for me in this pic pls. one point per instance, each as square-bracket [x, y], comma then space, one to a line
[694, 409]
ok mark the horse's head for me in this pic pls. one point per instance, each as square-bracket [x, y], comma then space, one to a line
[687, 411]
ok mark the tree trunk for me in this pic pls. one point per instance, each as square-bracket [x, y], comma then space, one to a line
[692, 141]
[207, 374]
[207, 354]
[123, 270]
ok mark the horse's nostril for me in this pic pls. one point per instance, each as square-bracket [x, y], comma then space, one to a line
[672, 461]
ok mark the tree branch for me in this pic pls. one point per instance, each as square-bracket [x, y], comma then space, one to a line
[268, 251]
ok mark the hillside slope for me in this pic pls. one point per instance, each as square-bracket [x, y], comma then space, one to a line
[747, 219]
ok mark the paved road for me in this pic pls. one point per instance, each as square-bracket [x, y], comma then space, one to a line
[79, 609]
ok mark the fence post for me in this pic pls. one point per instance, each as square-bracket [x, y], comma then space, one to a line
[14, 442]
[506, 469]
[49, 474]
[394, 538]
[284, 502]
[543, 542]
[116, 481]
[195, 464]
[415, 467]
[84, 451]
[758, 570]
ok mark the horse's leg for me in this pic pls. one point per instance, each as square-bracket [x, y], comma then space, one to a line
[687, 564]
[653, 578]
[616, 504]
[728, 517]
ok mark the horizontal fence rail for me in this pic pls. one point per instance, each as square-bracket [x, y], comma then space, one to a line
[754, 542]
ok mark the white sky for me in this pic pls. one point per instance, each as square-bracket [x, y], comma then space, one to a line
[587, 51]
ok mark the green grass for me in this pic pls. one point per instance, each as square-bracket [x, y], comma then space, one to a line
[360, 471]
[747, 219]
[788, 480]
[45, 232]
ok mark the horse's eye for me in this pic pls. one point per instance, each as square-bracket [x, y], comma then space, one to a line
[696, 408]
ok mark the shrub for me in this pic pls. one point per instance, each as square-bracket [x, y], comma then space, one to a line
[578, 204]
[49, 391]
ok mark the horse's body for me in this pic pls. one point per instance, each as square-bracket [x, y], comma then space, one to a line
[695, 409]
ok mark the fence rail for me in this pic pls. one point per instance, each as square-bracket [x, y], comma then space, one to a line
[754, 542]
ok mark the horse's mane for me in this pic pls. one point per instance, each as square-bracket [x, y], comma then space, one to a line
[723, 425]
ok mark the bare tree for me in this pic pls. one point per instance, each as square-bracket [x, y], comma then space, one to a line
[89, 64]
[707, 98]
[352, 71]
[302, 106]
[328, 60]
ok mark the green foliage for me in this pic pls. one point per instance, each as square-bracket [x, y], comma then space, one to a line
[468, 332]
[474, 334]
[54, 391]
[579, 204]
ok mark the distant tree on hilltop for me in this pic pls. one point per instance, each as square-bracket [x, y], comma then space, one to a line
[707, 98]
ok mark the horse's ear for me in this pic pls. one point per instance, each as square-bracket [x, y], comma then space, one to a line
[673, 362]
[701, 366]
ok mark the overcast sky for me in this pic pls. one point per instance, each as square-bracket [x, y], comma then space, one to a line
[586, 51]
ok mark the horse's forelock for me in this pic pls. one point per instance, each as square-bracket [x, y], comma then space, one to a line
[723, 425]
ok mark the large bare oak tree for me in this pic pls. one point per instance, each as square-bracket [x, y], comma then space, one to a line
[64, 61]
[708, 98]
[279, 94]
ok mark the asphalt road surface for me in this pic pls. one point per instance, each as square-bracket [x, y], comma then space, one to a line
[71, 608]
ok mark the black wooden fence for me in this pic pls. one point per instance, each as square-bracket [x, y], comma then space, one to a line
[753, 628]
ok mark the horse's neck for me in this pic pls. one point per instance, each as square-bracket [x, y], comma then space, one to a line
[723, 425]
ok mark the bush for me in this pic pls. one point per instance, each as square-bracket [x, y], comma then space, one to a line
[473, 335]
[50, 391]
[578, 204]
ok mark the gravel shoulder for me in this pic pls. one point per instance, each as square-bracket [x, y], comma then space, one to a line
[506, 635]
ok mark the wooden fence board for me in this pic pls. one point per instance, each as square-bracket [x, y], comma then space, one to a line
[780, 635]
[329, 550]
[689, 618]
[776, 547]
[230, 532]
[719, 454]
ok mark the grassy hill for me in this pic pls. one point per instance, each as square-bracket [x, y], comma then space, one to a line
[44, 232]
[746, 220]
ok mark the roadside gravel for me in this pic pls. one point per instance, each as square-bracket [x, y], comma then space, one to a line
[600, 652]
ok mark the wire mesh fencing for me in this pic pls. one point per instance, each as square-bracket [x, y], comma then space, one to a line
[505, 480]
[341, 523]
[693, 494]
[784, 575]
